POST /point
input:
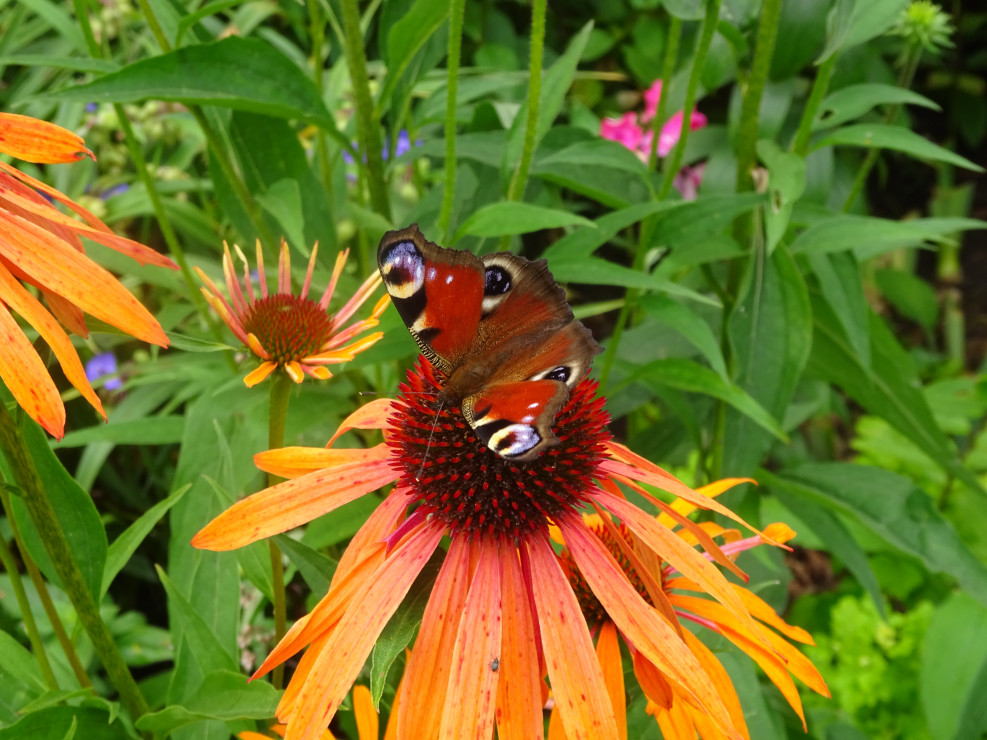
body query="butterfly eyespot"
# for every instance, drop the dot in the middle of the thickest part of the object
(512, 440)
(402, 268)
(497, 281)
(561, 373)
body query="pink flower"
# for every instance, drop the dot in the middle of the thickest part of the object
(688, 179)
(670, 132)
(624, 130)
(651, 97)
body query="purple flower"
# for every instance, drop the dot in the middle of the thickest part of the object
(100, 366)
(402, 145)
(115, 190)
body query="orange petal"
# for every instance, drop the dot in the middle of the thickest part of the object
(31, 310)
(260, 373)
(472, 695)
(608, 653)
(634, 467)
(426, 677)
(652, 681)
(678, 554)
(367, 720)
(327, 613)
(372, 535)
(62, 270)
(577, 680)
(37, 141)
(347, 648)
(519, 705)
(712, 490)
(640, 623)
(292, 462)
(291, 504)
(721, 680)
(372, 416)
(762, 611)
(26, 376)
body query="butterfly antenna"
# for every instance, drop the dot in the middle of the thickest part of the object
(428, 442)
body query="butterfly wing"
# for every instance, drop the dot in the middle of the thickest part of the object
(514, 419)
(437, 292)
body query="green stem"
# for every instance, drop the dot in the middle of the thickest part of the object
(17, 586)
(667, 70)
(368, 132)
(710, 21)
(905, 81)
(767, 34)
(519, 180)
(820, 86)
(145, 174)
(317, 31)
(50, 531)
(281, 385)
(456, 15)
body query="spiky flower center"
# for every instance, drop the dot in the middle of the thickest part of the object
(289, 328)
(474, 491)
(591, 607)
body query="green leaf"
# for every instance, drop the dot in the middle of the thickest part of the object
(771, 334)
(187, 343)
(76, 64)
(239, 73)
(206, 649)
(838, 25)
(832, 531)
(893, 508)
(554, 87)
(595, 271)
(55, 723)
(853, 101)
(687, 323)
(786, 178)
(316, 568)
(506, 218)
(911, 296)
(583, 242)
(953, 673)
(869, 237)
(686, 375)
(151, 430)
(406, 37)
(74, 508)
(698, 219)
(596, 153)
(126, 544)
(223, 695)
(401, 628)
(888, 388)
(899, 138)
(19, 672)
(841, 285)
(871, 18)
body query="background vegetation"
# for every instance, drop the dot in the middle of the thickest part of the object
(815, 318)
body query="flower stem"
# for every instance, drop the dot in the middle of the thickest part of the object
(17, 586)
(281, 386)
(317, 30)
(667, 70)
(50, 531)
(767, 34)
(905, 81)
(519, 180)
(672, 165)
(456, 14)
(368, 132)
(144, 172)
(820, 86)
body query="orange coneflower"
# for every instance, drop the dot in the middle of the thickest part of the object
(41, 250)
(367, 721)
(502, 611)
(677, 596)
(289, 331)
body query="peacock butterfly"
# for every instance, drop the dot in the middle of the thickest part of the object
(498, 328)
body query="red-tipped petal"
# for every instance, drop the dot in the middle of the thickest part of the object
(372, 416)
(38, 141)
(293, 462)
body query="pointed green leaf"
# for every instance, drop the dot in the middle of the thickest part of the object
(506, 218)
(899, 138)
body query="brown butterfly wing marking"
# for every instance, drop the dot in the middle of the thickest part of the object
(438, 293)
(536, 352)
